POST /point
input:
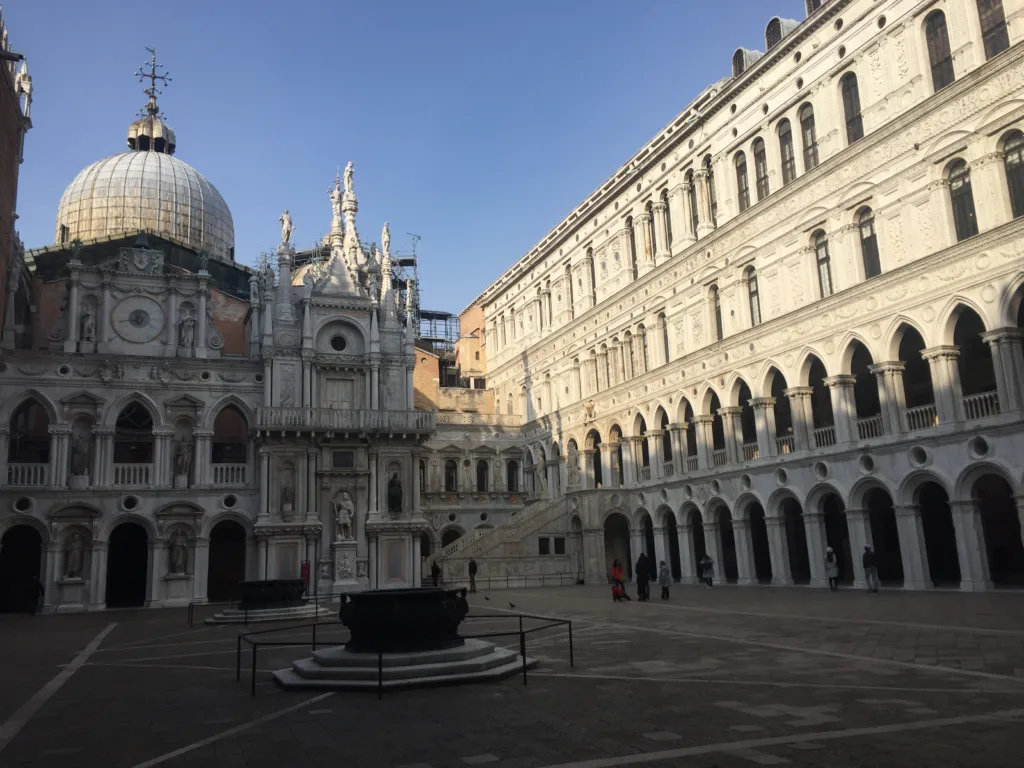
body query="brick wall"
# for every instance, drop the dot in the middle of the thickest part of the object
(10, 147)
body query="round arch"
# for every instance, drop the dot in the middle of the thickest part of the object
(233, 516)
(127, 517)
(20, 519)
(859, 490)
(906, 495)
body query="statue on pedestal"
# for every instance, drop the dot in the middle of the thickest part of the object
(74, 556)
(385, 238)
(183, 457)
(344, 512)
(88, 325)
(187, 331)
(178, 559)
(335, 194)
(80, 454)
(286, 227)
(394, 495)
(349, 172)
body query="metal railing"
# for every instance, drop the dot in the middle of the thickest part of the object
(922, 417)
(521, 631)
(510, 581)
(27, 474)
(228, 474)
(785, 444)
(668, 469)
(132, 474)
(750, 451)
(869, 427)
(719, 457)
(344, 420)
(981, 405)
(691, 463)
(825, 436)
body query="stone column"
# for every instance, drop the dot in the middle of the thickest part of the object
(889, 376)
(267, 378)
(858, 523)
(1008, 362)
(970, 546)
(163, 456)
(802, 415)
(662, 246)
(705, 440)
(713, 545)
(844, 408)
(263, 516)
(733, 433)
(912, 548)
(687, 566)
(201, 319)
(103, 449)
(660, 547)
(375, 384)
(627, 455)
(682, 228)
(589, 455)
(417, 509)
(157, 569)
(374, 502)
(678, 432)
(98, 580)
(51, 573)
(764, 420)
(705, 225)
(201, 569)
(312, 508)
(5, 434)
(746, 573)
(203, 466)
(103, 323)
(778, 548)
(562, 472)
(636, 546)
(656, 451)
(988, 185)
(602, 371)
(608, 475)
(945, 382)
(410, 388)
(814, 525)
(57, 471)
(642, 237)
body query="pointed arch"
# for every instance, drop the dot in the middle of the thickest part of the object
(109, 418)
(705, 398)
(848, 345)
(230, 399)
(12, 404)
(807, 359)
(952, 312)
(770, 369)
(896, 331)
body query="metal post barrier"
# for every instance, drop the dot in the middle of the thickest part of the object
(572, 658)
(254, 669)
(380, 675)
(314, 634)
(238, 660)
(522, 648)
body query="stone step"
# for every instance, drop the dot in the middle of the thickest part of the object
(339, 657)
(237, 616)
(495, 657)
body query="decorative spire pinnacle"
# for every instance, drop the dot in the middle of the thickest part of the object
(154, 74)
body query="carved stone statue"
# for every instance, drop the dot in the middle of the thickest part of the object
(572, 466)
(542, 481)
(287, 496)
(498, 481)
(467, 476)
(209, 314)
(335, 194)
(183, 457)
(344, 512)
(88, 325)
(74, 556)
(178, 557)
(349, 172)
(385, 238)
(80, 448)
(307, 284)
(187, 331)
(286, 227)
(395, 495)
(589, 410)
(58, 331)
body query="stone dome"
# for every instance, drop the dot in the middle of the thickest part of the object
(151, 191)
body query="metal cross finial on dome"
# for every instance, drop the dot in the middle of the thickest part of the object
(153, 75)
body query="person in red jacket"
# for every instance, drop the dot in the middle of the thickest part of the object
(618, 573)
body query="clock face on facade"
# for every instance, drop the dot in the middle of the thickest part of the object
(138, 319)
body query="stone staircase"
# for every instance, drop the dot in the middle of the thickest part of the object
(502, 539)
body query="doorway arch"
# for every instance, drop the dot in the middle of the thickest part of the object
(1000, 523)
(21, 557)
(449, 536)
(616, 544)
(759, 543)
(226, 568)
(672, 533)
(729, 568)
(939, 534)
(796, 538)
(885, 536)
(127, 565)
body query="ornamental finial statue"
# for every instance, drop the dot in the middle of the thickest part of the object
(335, 194)
(286, 228)
(385, 238)
(349, 172)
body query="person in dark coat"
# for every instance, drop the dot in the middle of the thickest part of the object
(472, 575)
(643, 578)
(435, 572)
(870, 569)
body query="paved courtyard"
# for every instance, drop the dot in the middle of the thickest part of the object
(723, 677)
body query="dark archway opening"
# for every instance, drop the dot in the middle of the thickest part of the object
(425, 544)
(650, 546)
(796, 539)
(21, 553)
(616, 544)
(227, 561)
(837, 535)
(728, 538)
(674, 561)
(885, 536)
(1001, 525)
(759, 543)
(939, 534)
(450, 536)
(127, 560)
(700, 547)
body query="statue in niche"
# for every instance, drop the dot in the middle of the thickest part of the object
(183, 457)
(287, 498)
(385, 238)
(349, 173)
(435, 475)
(178, 558)
(467, 475)
(88, 325)
(204, 259)
(344, 512)
(395, 495)
(187, 331)
(80, 449)
(572, 466)
(286, 227)
(58, 331)
(542, 480)
(74, 556)
(498, 479)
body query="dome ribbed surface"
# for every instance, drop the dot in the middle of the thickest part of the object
(149, 191)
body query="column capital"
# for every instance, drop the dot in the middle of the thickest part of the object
(264, 453)
(643, 216)
(679, 427)
(202, 432)
(59, 429)
(704, 418)
(762, 402)
(943, 351)
(1002, 334)
(842, 380)
(730, 410)
(103, 431)
(659, 206)
(798, 392)
(891, 366)
(163, 431)
(655, 433)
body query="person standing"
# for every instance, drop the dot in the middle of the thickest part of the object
(707, 570)
(618, 573)
(472, 575)
(664, 579)
(435, 572)
(832, 569)
(643, 578)
(870, 569)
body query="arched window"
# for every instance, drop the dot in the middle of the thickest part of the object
(712, 197)
(786, 150)
(651, 229)
(230, 439)
(481, 476)
(754, 296)
(663, 332)
(504, 330)
(962, 199)
(512, 320)
(869, 243)
(716, 306)
(451, 476)
(773, 35)
(593, 274)
(1013, 162)
(694, 217)
(568, 290)
(737, 63)
(939, 55)
(645, 358)
(742, 183)
(809, 134)
(761, 169)
(824, 264)
(993, 27)
(512, 476)
(851, 108)
(668, 218)
(812, 6)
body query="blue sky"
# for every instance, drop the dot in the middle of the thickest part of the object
(475, 124)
